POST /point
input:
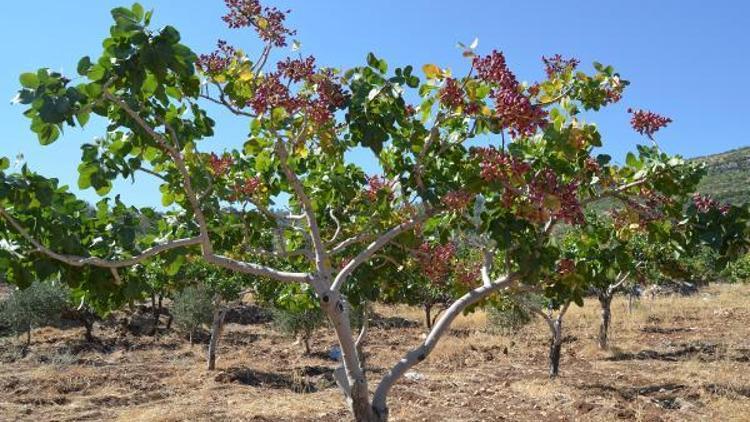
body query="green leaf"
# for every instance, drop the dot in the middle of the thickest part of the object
(104, 189)
(631, 160)
(84, 175)
(48, 134)
(170, 34)
(84, 65)
(175, 265)
(149, 85)
(138, 10)
(83, 118)
(4, 163)
(29, 80)
(96, 72)
(124, 15)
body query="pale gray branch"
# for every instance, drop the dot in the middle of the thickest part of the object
(257, 269)
(350, 241)
(80, 261)
(421, 352)
(179, 163)
(312, 222)
(372, 248)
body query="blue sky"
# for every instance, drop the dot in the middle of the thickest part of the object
(686, 59)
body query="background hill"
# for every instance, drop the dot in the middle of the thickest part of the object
(728, 177)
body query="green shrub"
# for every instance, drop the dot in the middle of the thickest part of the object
(299, 322)
(739, 270)
(508, 316)
(39, 305)
(192, 308)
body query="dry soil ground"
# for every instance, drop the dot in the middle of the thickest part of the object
(672, 359)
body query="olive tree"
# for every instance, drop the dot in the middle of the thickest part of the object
(193, 308)
(38, 305)
(286, 205)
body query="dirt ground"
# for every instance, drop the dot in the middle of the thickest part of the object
(672, 359)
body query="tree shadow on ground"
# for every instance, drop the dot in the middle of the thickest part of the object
(307, 379)
(392, 322)
(700, 350)
(670, 396)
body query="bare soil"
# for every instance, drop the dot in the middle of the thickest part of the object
(672, 359)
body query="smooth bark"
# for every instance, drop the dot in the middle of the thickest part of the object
(216, 329)
(605, 301)
(555, 349)
(420, 353)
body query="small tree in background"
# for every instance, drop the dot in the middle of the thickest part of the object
(508, 315)
(553, 315)
(739, 271)
(38, 305)
(297, 314)
(299, 322)
(193, 308)
(223, 287)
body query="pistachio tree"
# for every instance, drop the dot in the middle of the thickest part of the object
(286, 205)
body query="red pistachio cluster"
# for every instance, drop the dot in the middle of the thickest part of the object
(704, 204)
(451, 94)
(647, 122)
(546, 197)
(217, 61)
(268, 22)
(496, 165)
(515, 110)
(469, 274)
(220, 165)
(614, 94)
(565, 266)
(271, 93)
(654, 199)
(648, 207)
(457, 200)
(331, 96)
(246, 188)
(436, 261)
(274, 91)
(592, 166)
(556, 65)
(546, 184)
(297, 69)
(376, 184)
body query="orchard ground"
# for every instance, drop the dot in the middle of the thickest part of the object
(673, 358)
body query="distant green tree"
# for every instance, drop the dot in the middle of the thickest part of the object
(38, 305)
(193, 307)
(738, 271)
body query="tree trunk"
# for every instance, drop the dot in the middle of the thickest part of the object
(306, 342)
(89, 325)
(216, 329)
(355, 387)
(428, 316)
(606, 303)
(554, 350)
(155, 314)
(632, 297)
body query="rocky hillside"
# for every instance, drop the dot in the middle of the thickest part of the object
(728, 177)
